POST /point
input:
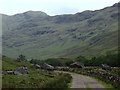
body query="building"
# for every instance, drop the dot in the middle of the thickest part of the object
(105, 67)
(77, 65)
(48, 66)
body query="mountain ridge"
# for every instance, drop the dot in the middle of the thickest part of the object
(86, 33)
(114, 5)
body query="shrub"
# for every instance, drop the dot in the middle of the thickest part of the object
(59, 82)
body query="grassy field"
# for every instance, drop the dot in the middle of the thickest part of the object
(34, 79)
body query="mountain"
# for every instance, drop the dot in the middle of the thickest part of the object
(38, 35)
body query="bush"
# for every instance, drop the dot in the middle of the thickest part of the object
(59, 82)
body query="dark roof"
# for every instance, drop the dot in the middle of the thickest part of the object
(105, 65)
(77, 63)
(37, 65)
(48, 66)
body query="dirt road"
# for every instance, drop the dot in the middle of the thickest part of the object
(81, 81)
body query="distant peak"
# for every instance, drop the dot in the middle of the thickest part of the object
(116, 4)
(31, 14)
(35, 13)
(40, 12)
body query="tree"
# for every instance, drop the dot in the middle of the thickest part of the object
(82, 59)
(21, 58)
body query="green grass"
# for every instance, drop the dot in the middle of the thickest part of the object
(107, 85)
(34, 79)
(87, 86)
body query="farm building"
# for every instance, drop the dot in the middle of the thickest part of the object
(77, 65)
(48, 67)
(105, 66)
(37, 66)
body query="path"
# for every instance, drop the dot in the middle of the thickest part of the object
(86, 82)
(81, 81)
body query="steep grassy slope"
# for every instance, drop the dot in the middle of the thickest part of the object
(38, 35)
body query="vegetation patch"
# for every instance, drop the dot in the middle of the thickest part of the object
(36, 78)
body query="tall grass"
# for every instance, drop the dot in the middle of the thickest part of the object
(61, 82)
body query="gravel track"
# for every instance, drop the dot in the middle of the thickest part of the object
(81, 81)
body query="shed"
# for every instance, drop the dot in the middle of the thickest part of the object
(48, 66)
(77, 65)
(105, 67)
(37, 66)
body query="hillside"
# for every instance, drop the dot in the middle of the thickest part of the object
(38, 35)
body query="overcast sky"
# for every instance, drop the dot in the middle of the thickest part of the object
(52, 7)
